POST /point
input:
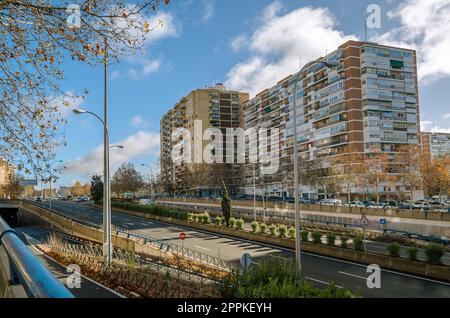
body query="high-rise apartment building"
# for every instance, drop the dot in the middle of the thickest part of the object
(369, 103)
(212, 107)
(6, 172)
(435, 145)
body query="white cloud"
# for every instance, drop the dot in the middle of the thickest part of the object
(424, 26)
(66, 102)
(135, 146)
(137, 121)
(429, 126)
(278, 43)
(446, 116)
(139, 68)
(208, 10)
(238, 43)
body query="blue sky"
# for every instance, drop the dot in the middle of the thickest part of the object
(246, 44)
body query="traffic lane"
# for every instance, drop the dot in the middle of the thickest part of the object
(88, 288)
(213, 245)
(354, 277)
(323, 269)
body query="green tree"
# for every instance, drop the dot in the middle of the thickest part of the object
(226, 204)
(96, 188)
(127, 179)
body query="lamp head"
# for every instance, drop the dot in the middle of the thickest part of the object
(79, 111)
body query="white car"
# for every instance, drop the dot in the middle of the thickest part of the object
(332, 202)
(358, 204)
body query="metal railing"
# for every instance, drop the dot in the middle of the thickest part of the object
(145, 239)
(27, 270)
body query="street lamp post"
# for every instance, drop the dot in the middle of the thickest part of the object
(151, 177)
(51, 179)
(296, 162)
(107, 243)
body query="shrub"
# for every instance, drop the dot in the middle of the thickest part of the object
(304, 236)
(434, 253)
(232, 222)
(239, 224)
(331, 239)
(189, 216)
(275, 278)
(254, 226)
(291, 233)
(359, 244)
(394, 249)
(195, 218)
(282, 230)
(262, 228)
(219, 220)
(317, 237)
(412, 253)
(344, 240)
(206, 218)
(273, 229)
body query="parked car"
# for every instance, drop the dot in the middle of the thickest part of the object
(332, 202)
(358, 204)
(37, 199)
(78, 199)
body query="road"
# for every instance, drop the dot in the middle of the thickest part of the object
(319, 270)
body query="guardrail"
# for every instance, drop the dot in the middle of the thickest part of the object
(167, 246)
(27, 270)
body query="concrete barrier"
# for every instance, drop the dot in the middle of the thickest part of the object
(80, 230)
(414, 214)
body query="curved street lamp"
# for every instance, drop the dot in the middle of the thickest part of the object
(107, 243)
(296, 160)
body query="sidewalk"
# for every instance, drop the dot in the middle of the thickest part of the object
(89, 288)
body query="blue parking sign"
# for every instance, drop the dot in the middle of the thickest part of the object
(383, 221)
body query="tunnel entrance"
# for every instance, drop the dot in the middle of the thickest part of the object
(9, 215)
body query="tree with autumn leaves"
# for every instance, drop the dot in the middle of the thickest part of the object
(436, 177)
(35, 40)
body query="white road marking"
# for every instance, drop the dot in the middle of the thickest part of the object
(352, 275)
(321, 282)
(203, 248)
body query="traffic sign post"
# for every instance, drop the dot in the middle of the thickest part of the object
(182, 237)
(246, 260)
(364, 222)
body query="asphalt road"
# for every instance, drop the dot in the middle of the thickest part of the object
(319, 270)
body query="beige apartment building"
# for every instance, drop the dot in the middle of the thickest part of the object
(211, 107)
(6, 172)
(369, 103)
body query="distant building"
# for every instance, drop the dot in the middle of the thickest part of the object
(435, 145)
(6, 172)
(215, 107)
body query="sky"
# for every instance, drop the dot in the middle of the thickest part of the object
(248, 45)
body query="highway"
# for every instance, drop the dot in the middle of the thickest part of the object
(317, 269)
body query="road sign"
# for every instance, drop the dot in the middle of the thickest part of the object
(246, 260)
(383, 221)
(183, 236)
(25, 183)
